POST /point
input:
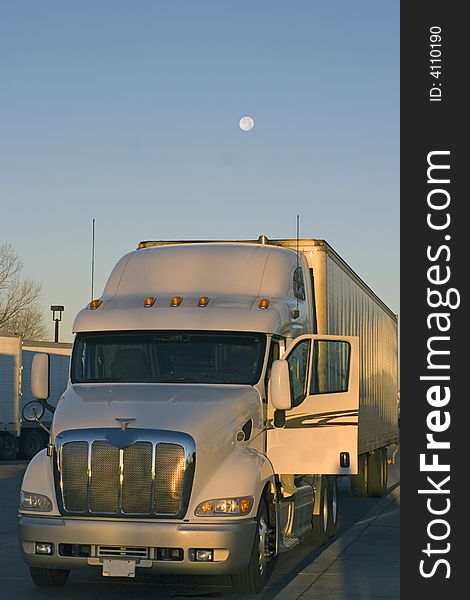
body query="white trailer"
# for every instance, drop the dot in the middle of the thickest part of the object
(10, 392)
(345, 305)
(217, 390)
(15, 392)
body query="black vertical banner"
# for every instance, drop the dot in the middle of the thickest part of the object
(435, 265)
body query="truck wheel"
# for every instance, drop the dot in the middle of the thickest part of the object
(320, 521)
(31, 442)
(48, 577)
(378, 472)
(8, 446)
(359, 482)
(254, 577)
(333, 505)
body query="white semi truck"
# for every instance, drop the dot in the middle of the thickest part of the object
(217, 390)
(16, 355)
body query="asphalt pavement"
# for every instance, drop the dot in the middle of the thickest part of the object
(362, 564)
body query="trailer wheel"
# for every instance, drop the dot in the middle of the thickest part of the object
(333, 505)
(8, 446)
(359, 482)
(31, 442)
(48, 577)
(320, 521)
(254, 577)
(378, 472)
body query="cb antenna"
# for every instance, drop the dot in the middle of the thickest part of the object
(92, 259)
(297, 248)
(297, 238)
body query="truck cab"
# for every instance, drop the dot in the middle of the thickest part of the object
(198, 387)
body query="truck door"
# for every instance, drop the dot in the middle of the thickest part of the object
(318, 433)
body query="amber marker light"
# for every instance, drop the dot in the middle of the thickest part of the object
(206, 508)
(176, 300)
(149, 301)
(245, 505)
(94, 304)
(264, 304)
(203, 301)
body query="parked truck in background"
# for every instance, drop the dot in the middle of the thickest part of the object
(207, 380)
(16, 434)
(10, 395)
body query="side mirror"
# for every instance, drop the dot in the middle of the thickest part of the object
(280, 385)
(40, 376)
(33, 411)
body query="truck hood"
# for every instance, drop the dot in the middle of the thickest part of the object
(202, 411)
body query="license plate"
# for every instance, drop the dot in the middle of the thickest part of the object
(118, 568)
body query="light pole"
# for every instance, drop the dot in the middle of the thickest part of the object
(57, 310)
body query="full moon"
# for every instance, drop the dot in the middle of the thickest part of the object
(246, 123)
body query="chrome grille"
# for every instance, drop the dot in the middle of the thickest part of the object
(169, 477)
(75, 477)
(120, 473)
(104, 480)
(137, 482)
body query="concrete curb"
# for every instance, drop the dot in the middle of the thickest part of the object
(307, 577)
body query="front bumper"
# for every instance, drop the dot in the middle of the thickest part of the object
(232, 543)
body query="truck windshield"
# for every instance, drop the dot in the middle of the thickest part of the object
(168, 357)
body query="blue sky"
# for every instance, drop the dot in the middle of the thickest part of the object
(127, 112)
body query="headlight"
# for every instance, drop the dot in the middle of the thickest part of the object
(225, 506)
(38, 502)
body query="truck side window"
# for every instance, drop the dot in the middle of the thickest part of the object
(330, 367)
(299, 286)
(298, 361)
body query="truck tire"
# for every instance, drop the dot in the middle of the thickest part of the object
(8, 446)
(332, 505)
(48, 577)
(320, 521)
(254, 577)
(31, 442)
(359, 482)
(378, 472)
